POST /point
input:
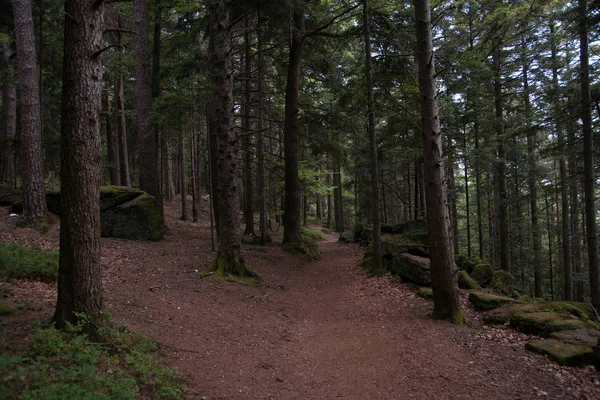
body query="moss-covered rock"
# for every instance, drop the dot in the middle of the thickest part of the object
(425, 293)
(466, 282)
(470, 264)
(504, 315)
(137, 219)
(410, 226)
(412, 268)
(545, 323)
(482, 273)
(460, 260)
(581, 337)
(502, 281)
(393, 245)
(487, 301)
(562, 353)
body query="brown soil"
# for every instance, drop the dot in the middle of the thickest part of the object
(312, 330)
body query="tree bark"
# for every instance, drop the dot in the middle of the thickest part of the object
(8, 129)
(112, 154)
(262, 196)
(34, 194)
(229, 261)
(182, 175)
(588, 155)
(122, 133)
(248, 181)
(501, 160)
(443, 282)
(375, 195)
(291, 212)
(338, 198)
(147, 143)
(79, 276)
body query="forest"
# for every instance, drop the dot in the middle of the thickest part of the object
(328, 161)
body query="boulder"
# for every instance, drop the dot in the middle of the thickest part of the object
(581, 337)
(346, 237)
(393, 245)
(482, 273)
(502, 281)
(466, 282)
(409, 226)
(412, 268)
(487, 301)
(562, 353)
(504, 315)
(546, 323)
(137, 219)
(460, 260)
(470, 264)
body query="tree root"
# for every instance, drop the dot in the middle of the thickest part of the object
(228, 268)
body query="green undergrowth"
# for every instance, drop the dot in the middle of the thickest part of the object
(312, 233)
(55, 364)
(307, 250)
(25, 263)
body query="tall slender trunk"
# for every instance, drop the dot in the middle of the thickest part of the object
(120, 106)
(467, 190)
(148, 151)
(452, 203)
(112, 153)
(79, 275)
(445, 291)
(550, 245)
(248, 179)
(578, 286)
(34, 195)
(337, 194)
(375, 196)
(501, 161)
(588, 154)
(491, 219)
(478, 194)
(155, 93)
(8, 129)
(291, 213)
(260, 142)
(532, 182)
(182, 175)
(329, 205)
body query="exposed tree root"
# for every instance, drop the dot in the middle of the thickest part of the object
(227, 268)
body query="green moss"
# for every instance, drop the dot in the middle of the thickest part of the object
(346, 237)
(138, 219)
(562, 353)
(487, 301)
(545, 323)
(5, 309)
(581, 337)
(460, 260)
(482, 273)
(466, 282)
(425, 293)
(471, 263)
(227, 268)
(307, 250)
(313, 234)
(25, 263)
(502, 281)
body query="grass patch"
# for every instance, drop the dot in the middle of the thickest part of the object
(311, 233)
(24, 263)
(66, 365)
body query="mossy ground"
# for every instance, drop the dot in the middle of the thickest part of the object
(312, 233)
(225, 268)
(307, 250)
(53, 364)
(17, 262)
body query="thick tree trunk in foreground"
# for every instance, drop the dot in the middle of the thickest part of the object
(291, 212)
(8, 129)
(376, 263)
(588, 155)
(149, 178)
(229, 261)
(34, 194)
(79, 277)
(445, 290)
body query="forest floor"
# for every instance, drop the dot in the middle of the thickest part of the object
(313, 330)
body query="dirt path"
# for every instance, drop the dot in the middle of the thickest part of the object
(314, 330)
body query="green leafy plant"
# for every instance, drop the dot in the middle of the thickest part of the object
(25, 263)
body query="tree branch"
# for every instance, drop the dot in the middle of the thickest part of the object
(112, 46)
(319, 30)
(98, 3)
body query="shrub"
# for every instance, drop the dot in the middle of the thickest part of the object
(25, 263)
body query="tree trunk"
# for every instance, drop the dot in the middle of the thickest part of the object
(478, 194)
(181, 175)
(532, 183)
(229, 261)
(262, 196)
(375, 195)
(149, 179)
(578, 286)
(328, 182)
(8, 129)
(79, 276)
(467, 208)
(338, 194)
(291, 212)
(248, 181)
(588, 155)
(193, 174)
(443, 282)
(501, 162)
(113, 163)
(34, 194)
